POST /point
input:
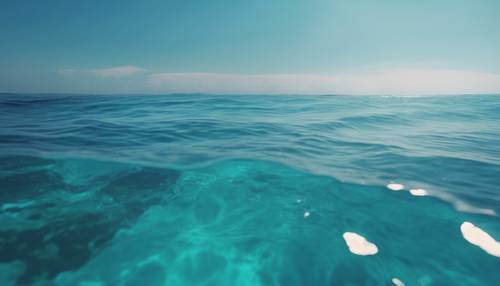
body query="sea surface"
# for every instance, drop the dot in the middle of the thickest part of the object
(198, 189)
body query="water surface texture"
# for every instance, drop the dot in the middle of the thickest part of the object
(249, 190)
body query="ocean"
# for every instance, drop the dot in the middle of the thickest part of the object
(195, 189)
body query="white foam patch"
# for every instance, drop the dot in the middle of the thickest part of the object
(419, 192)
(307, 214)
(359, 245)
(395, 187)
(397, 282)
(480, 238)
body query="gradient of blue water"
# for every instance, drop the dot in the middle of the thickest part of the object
(231, 171)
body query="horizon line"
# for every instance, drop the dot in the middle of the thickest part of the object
(241, 94)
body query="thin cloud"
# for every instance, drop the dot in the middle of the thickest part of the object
(385, 82)
(113, 72)
(377, 82)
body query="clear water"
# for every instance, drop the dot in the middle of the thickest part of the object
(246, 190)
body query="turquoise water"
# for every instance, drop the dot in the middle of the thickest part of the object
(247, 190)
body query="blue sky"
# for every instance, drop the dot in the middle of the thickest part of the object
(248, 46)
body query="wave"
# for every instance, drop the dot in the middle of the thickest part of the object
(237, 218)
(257, 182)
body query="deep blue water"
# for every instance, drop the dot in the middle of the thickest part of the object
(247, 190)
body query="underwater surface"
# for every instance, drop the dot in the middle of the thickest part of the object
(249, 190)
